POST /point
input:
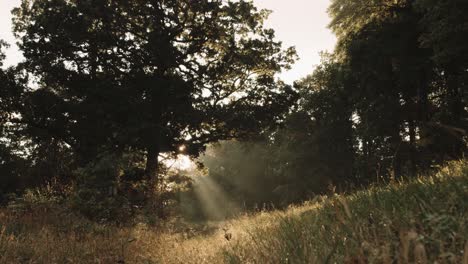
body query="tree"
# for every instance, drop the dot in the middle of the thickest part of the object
(350, 16)
(328, 142)
(405, 90)
(12, 165)
(150, 75)
(445, 28)
(312, 150)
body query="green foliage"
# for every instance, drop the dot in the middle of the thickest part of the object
(12, 164)
(11, 169)
(406, 83)
(95, 194)
(45, 198)
(349, 16)
(113, 188)
(444, 29)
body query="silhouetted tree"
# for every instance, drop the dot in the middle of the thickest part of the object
(150, 75)
(394, 49)
(12, 164)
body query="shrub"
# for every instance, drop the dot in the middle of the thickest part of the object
(96, 193)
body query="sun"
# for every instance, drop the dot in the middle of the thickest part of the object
(182, 162)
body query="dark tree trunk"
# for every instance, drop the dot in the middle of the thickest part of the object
(396, 162)
(412, 148)
(396, 165)
(152, 165)
(456, 108)
(455, 104)
(153, 141)
(152, 174)
(423, 117)
(367, 167)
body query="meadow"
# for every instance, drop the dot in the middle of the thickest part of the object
(422, 220)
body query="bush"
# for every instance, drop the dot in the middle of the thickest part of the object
(42, 199)
(11, 169)
(96, 193)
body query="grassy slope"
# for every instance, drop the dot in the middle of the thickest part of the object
(426, 219)
(423, 220)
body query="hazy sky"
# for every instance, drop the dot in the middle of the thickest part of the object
(13, 55)
(299, 23)
(303, 24)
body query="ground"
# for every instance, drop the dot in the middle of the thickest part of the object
(423, 220)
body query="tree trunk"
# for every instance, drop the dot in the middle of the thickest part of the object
(456, 108)
(152, 165)
(154, 181)
(423, 116)
(455, 104)
(396, 162)
(153, 139)
(367, 167)
(412, 148)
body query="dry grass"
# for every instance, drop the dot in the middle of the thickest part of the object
(423, 221)
(52, 236)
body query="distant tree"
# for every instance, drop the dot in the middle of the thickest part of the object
(350, 16)
(150, 75)
(390, 101)
(329, 143)
(445, 27)
(12, 165)
(10, 94)
(404, 89)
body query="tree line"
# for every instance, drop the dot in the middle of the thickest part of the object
(108, 89)
(389, 102)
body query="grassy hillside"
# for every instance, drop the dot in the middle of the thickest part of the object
(421, 221)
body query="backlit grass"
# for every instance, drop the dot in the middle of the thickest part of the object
(418, 221)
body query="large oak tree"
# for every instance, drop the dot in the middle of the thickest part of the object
(150, 75)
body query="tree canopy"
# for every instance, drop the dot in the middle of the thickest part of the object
(150, 75)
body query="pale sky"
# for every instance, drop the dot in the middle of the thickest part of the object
(299, 23)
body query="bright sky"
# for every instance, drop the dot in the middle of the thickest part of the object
(13, 55)
(299, 23)
(303, 24)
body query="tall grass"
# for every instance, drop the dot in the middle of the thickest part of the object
(419, 221)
